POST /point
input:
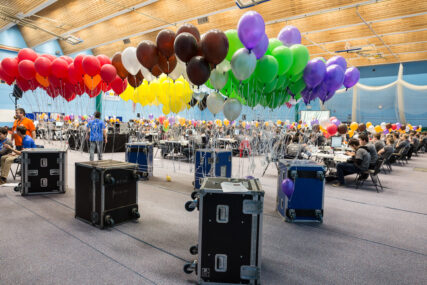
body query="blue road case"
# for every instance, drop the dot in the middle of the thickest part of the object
(306, 202)
(141, 153)
(211, 163)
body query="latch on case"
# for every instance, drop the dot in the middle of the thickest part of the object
(249, 272)
(252, 207)
(220, 262)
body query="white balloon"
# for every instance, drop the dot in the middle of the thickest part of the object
(147, 74)
(371, 129)
(324, 123)
(383, 125)
(232, 109)
(243, 64)
(215, 103)
(178, 70)
(224, 66)
(130, 61)
(218, 79)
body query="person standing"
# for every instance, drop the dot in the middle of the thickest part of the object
(97, 134)
(21, 120)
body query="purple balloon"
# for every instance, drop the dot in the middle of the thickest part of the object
(334, 78)
(329, 95)
(338, 60)
(314, 72)
(251, 29)
(151, 116)
(386, 131)
(398, 125)
(314, 122)
(336, 122)
(248, 126)
(261, 47)
(288, 187)
(172, 120)
(321, 92)
(72, 117)
(351, 77)
(289, 36)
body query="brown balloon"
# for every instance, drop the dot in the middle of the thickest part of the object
(316, 128)
(189, 28)
(185, 47)
(116, 61)
(215, 46)
(135, 80)
(198, 70)
(362, 127)
(147, 54)
(388, 126)
(403, 127)
(167, 65)
(165, 41)
(342, 129)
(156, 71)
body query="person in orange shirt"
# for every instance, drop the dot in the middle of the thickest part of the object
(21, 120)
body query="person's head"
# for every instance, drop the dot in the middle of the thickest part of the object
(405, 136)
(354, 143)
(21, 130)
(97, 115)
(390, 141)
(377, 136)
(3, 133)
(363, 139)
(20, 113)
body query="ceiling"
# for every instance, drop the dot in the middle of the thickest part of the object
(386, 31)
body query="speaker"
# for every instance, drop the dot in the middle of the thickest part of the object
(17, 92)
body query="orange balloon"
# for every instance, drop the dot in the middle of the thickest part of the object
(42, 80)
(92, 82)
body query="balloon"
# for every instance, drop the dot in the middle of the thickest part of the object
(6, 77)
(338, 60)
(243, 64)
(393, 127)
(234, 43)
(103, 59)
(361, 127)
(351, 77)
(218, 79)
(383, 126)
(334, 77)
(272, 44)
(232, 109)
(398, 126)
(108, 73)
(283, 55)
(179, 69)
(297, 87)
(215, 103)
(135, 80)
(185, 46)
(165, 43)
(314, 72)
(266, 69)
(251, 29)
(27, 54)
(336, 122)
(378, 129)
(189, 28)
(119, 85)
(214, 46)
(354, 126)
(73, 75)
(23, 84)
(91, 65)
(261, 47)
(117, 63)
(92, 82)
(288, 187)
(332, 129)
(289, 36)
(26, 69)
(10, 66)
(342, 129)
(147, 54)
(156, 71)
(167, 66)
(300, 57)
(198, 70)
(389, 126)
(60, 68)
(368, 124)
(130, 62)
(43, 66)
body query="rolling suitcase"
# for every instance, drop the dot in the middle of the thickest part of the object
(141, 153)
(306, 202)
(106, 192)
(211, 163)
(230, 229)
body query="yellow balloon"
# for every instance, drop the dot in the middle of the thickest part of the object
(165, 123)
(244, 124)
(368, 124)
(226, 122)
(182, 121)
(166, 110)
(354, 126)
(378, 129)
(175, 106)
(351, 133)
(256, 124)
(266, 124)
(279, 122)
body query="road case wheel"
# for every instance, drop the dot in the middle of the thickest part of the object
(188, 268)
(190, 206)
(109, 221)
(135, 213)
(16, 189)
(194, 250)
(194, 195)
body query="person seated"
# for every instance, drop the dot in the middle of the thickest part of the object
(3, 142)
(364, 141)
(424, 141)
(359, 162)
(388, 149)
(7, 160)
(295, 148)
(378, 143)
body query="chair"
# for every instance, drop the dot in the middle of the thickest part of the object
(373, 174)
(244, 147)
(17, 171)
(387, 162)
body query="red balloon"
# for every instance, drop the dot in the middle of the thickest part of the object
(108, 73)
(27, 53)
(394, 127)
(67, 59)
(118, 85)
(103, 59)
(23, 84)
(43, 66)
(49, 56)
(10, 66)
(214, 46)
(73, 74)
(6, 77)
(161, 119)
(78, 63)
(60, 68)
(165, 41)
(147, 54)
(189, 28)
(33, 84)
(54, 81)
(26, 69)
(91, 65)
(198, 70)
(79, 88)
(332, 129)
(95, 92)
(185, 46)
(105, 86)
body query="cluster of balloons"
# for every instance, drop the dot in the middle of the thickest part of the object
(322, 78)
(61, 75)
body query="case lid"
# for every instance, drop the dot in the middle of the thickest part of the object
(136, 144)
(107, 164)
(216, 184)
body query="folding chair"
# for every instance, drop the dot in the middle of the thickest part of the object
(373, 173)
(387, 163)
(17, 171)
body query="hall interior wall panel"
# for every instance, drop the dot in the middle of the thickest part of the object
(18, 6)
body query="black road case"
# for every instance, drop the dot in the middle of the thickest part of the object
(42, 171)
(230, 228)
(106, 192)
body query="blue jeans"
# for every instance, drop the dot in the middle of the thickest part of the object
(345, 168)
(99, 145)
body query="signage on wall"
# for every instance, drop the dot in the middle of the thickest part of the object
(110, 96)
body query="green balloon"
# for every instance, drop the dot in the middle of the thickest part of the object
(297, 87)
(263, 100)
(300, 57)
(234, 43)
(272, 44)
(266, 69)
(209, 85)
(283, 55)
(298, 96)
(234, 95)
(295, 78)
(269, 87)
(281, 82)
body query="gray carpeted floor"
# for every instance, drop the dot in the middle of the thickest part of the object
(366, 238)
